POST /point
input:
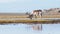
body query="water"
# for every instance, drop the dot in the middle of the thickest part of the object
(27, 29)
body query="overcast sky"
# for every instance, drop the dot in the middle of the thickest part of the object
(18, 6)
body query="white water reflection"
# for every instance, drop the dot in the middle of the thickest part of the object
(27, 29)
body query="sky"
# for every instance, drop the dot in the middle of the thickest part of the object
(26, 29)
(22, 6)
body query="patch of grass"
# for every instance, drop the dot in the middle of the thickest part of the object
(25, 21)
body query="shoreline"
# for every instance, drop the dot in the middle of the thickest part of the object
(31, 21)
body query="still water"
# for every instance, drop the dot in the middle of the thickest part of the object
(28, 29)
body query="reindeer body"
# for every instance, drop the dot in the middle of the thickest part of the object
(37, 13)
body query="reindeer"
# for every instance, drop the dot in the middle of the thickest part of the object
(35, 13)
